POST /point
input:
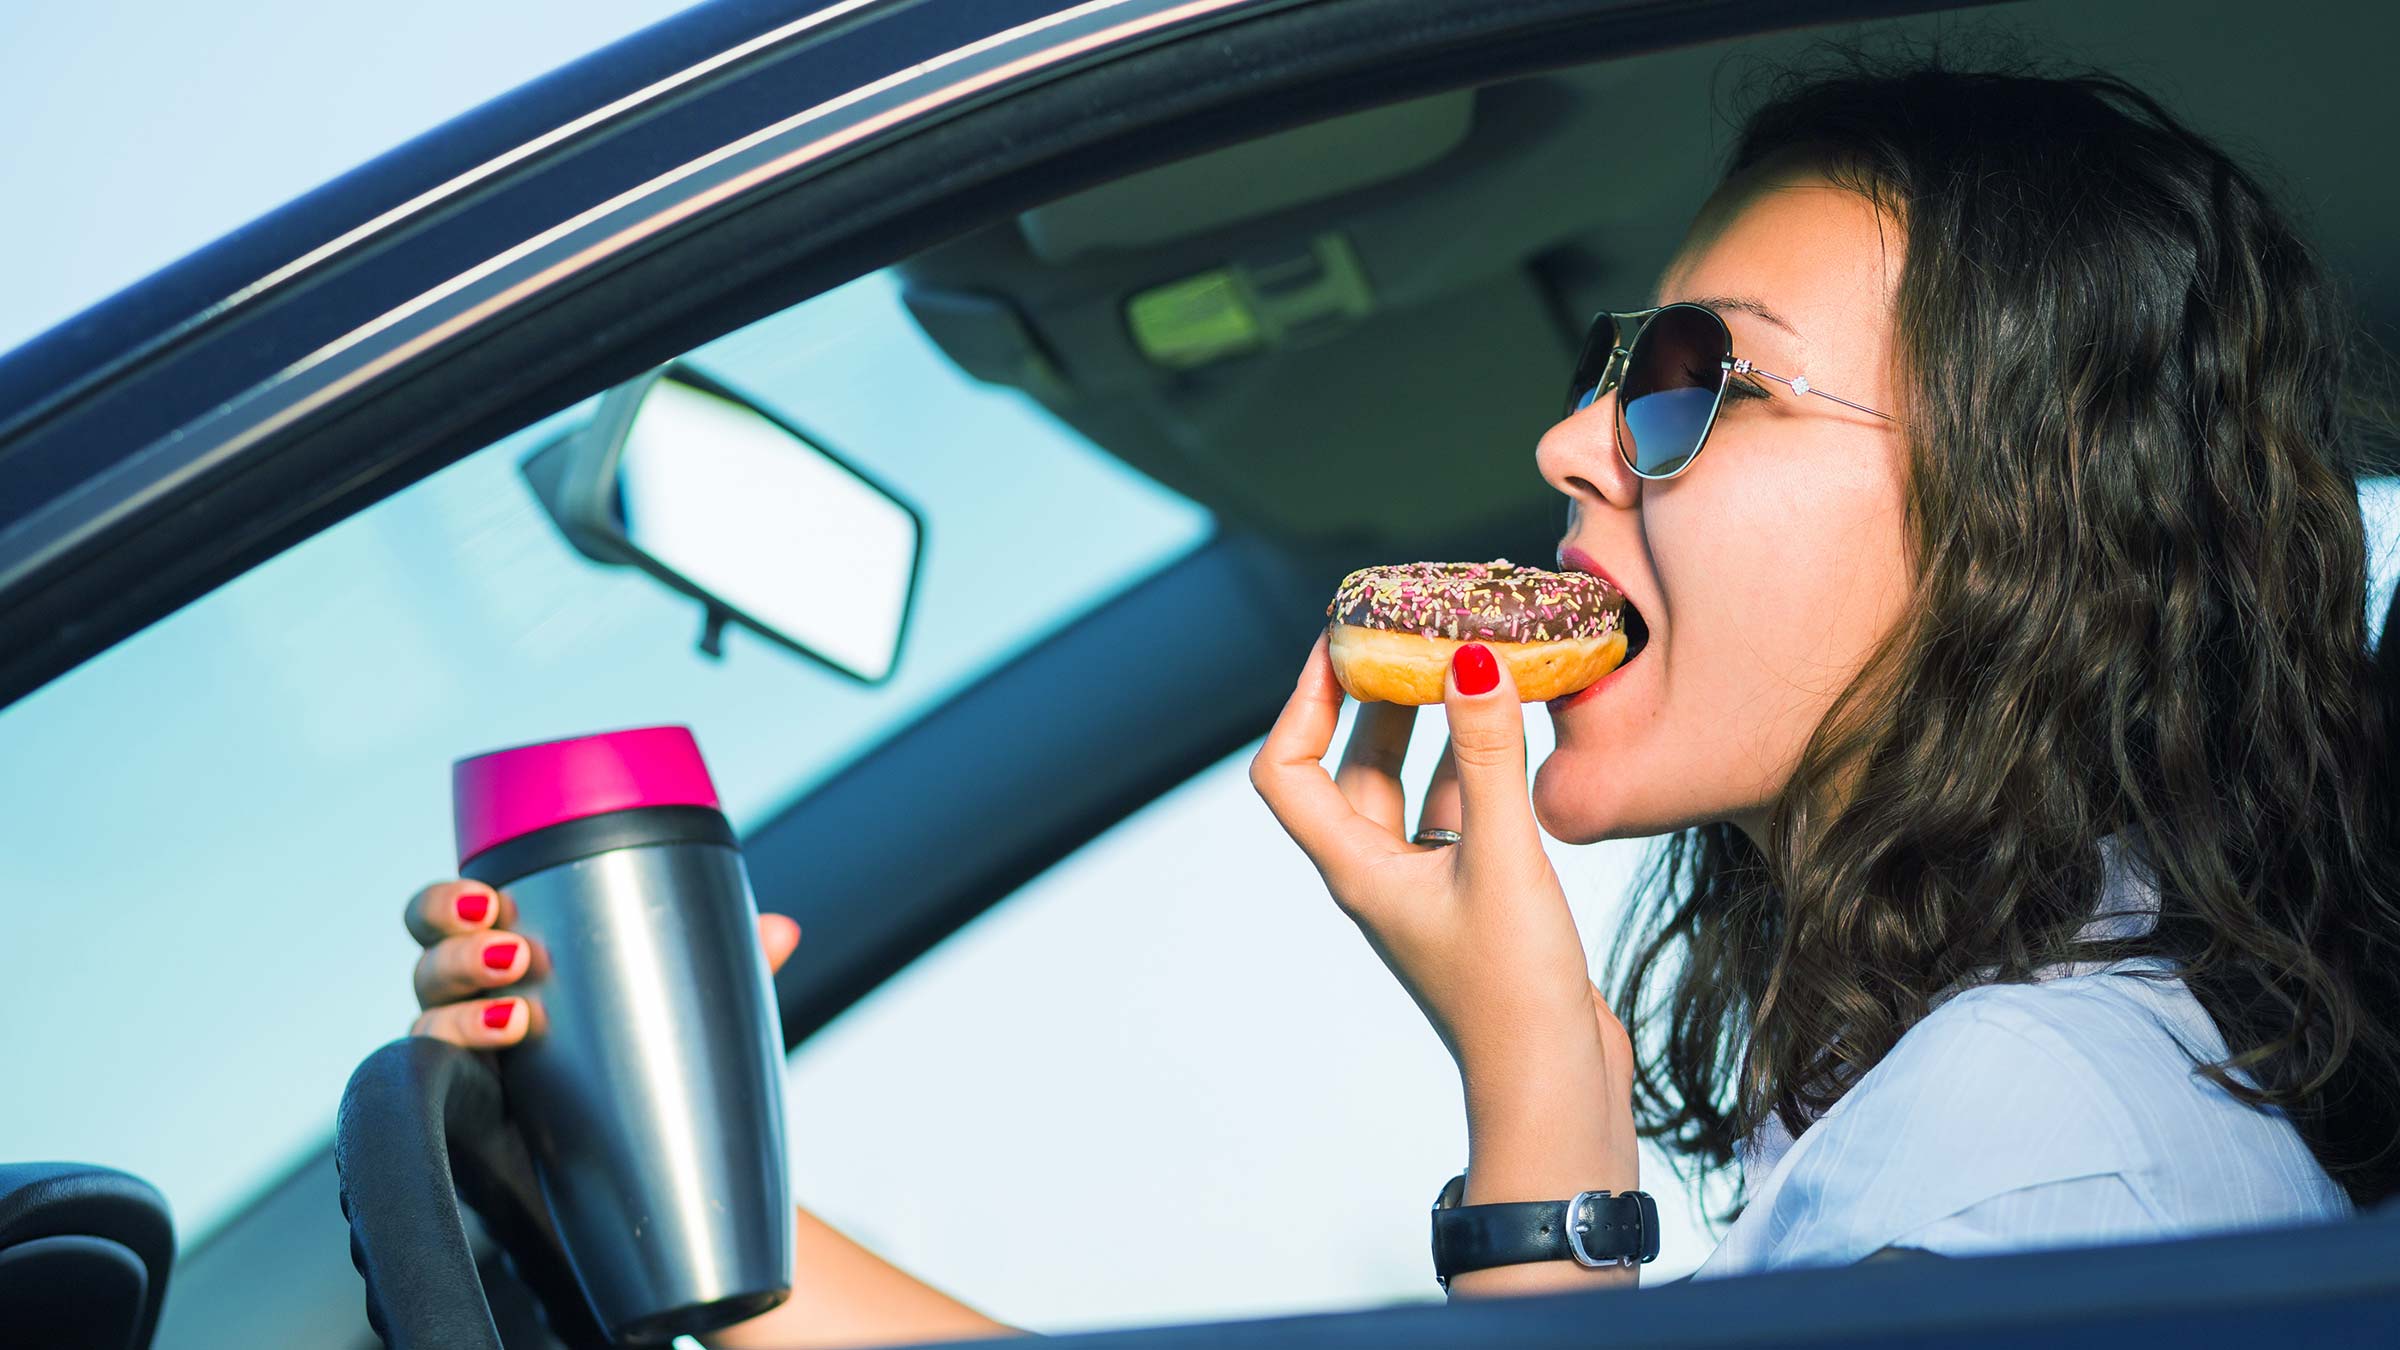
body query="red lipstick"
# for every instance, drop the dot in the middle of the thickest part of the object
(1573, 559)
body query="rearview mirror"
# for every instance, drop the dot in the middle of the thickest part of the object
(718, 498)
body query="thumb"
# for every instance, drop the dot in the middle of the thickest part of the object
(1487, 740)
(779, 935)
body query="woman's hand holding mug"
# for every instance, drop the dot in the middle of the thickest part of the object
(471, 956)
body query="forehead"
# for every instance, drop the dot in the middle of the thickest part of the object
(1822, 256)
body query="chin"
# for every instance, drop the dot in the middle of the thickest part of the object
(1566, 804)
(1589, 797)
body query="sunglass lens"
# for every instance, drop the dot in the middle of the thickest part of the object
(1599, 345)
(1670, 390)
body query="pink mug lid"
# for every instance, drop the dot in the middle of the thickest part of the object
(505, 793)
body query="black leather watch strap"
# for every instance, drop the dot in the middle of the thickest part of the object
(1609, 1229)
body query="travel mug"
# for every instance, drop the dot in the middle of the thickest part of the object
(652, 1103)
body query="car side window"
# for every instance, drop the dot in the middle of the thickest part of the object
(211, 829)
(2379, 507)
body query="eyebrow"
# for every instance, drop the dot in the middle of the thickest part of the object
(1747, 306)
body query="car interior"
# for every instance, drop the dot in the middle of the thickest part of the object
(1330, 346)
(1474, 233)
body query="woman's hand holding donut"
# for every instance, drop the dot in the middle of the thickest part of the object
(1479, 932)
(471, 958)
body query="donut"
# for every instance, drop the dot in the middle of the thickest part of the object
(1392, 629)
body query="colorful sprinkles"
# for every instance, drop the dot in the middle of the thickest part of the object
(1497, 600)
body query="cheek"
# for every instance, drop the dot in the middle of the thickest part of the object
(1798, 569)
(1779, 568)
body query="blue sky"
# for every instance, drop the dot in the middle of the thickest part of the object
(140, 131)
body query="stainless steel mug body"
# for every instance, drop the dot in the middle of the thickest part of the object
(650, 1093)
(652, 1102)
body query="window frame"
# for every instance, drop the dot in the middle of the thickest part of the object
(391, 315)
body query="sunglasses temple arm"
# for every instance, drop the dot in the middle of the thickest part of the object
(1801, 387)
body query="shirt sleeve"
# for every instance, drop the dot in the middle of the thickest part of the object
(1983, 1130)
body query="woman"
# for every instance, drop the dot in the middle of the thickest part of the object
(2006, 697)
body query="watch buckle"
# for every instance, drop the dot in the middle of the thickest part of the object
(1576, 1228)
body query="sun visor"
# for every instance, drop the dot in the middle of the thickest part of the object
(1257, 178)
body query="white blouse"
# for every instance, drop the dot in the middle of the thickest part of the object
(2054, 1114)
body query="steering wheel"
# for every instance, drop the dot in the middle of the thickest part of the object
(413, 1109)
(85, 1252)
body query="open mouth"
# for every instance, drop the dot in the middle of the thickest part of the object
(1637, 633)
(1637, 637)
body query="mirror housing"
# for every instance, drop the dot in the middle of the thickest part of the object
(725, 501)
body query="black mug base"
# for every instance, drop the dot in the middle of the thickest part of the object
(693, 1319)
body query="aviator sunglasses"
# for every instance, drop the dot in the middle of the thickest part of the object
(1671, 378)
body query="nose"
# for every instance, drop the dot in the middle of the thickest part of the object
(1578, 456)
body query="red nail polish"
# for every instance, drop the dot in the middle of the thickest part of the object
(500, 955)
(496, 1015)
(1476, 668)
(472, 906)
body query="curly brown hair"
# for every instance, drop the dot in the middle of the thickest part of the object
(2140, 590)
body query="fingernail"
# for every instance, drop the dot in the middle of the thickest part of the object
(500, 955)
(496, 1015)
(1476, 668)
(473, 905)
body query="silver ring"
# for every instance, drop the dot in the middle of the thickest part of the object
(1437, 838)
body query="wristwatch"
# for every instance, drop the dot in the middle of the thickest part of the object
(1596, 1228)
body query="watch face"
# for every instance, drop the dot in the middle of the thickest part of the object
(1453, 1190)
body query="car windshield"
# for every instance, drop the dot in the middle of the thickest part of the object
(213, 827)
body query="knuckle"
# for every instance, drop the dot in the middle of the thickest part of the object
(1483, 747)
(1262, 776)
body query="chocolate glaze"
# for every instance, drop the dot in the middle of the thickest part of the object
(1497, 600)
